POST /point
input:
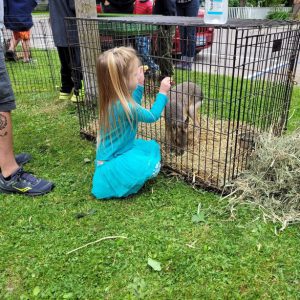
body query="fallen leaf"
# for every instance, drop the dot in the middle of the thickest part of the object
(36, 291)
(154, 264)
(198, 218)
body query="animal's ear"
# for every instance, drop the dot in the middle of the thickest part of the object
(186, 121)
(174, 126)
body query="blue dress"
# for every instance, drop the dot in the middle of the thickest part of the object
(127, 162)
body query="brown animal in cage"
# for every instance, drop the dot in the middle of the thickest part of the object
(185, 100)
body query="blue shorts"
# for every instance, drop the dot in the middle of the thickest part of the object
(7, 98)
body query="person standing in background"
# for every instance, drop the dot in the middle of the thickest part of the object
(143, 42)
(187, 8)
(165, 36)
(71, 85)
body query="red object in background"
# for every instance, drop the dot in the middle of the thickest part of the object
(143, 8)
(99, 9)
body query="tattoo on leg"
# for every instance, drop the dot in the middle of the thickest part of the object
(3, 124)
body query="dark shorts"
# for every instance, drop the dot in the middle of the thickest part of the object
(7, 98)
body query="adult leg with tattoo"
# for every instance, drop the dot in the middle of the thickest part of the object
(8, 163)
(13, 179)
(7, 159)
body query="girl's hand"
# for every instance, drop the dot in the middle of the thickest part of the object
(165, 85)
(141, 77)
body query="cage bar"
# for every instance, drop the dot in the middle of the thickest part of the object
(245, 70)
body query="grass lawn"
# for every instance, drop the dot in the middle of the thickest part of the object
(217, 258)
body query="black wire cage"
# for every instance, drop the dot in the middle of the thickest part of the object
(238, 84)
(31, 58)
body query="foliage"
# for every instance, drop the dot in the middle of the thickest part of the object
(278, 15)
(265, 3)
(234, 3)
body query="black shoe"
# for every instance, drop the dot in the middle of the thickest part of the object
(24, 183)
(11, 55)
(22, 159)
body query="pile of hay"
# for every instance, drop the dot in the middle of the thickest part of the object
(272, 180)
(213, 156)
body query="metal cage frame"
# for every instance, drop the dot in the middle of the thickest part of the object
(246, 77)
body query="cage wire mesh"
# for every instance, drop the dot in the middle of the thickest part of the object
(39, 71)
(239, 84)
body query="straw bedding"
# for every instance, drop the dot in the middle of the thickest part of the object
(272, 181)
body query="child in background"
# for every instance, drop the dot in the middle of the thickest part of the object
(123, 163)
(143, 43)
(18, 18)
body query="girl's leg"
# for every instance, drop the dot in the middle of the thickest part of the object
(26, 50)
(10, 53)
(13, 42)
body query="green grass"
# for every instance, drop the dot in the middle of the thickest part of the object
(43, 13)
(228, 258)
(294, 115)
(39, 75)
(254, 101)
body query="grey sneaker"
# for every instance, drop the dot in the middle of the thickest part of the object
(22, 159)
(24, 183)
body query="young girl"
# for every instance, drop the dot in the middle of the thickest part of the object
(18, 18)
(124, 163)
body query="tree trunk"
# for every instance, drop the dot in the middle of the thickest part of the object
(86, 8)
(242, 3)
(296, 9)
(89, 42)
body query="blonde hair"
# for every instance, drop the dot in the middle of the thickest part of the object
(113, 73)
